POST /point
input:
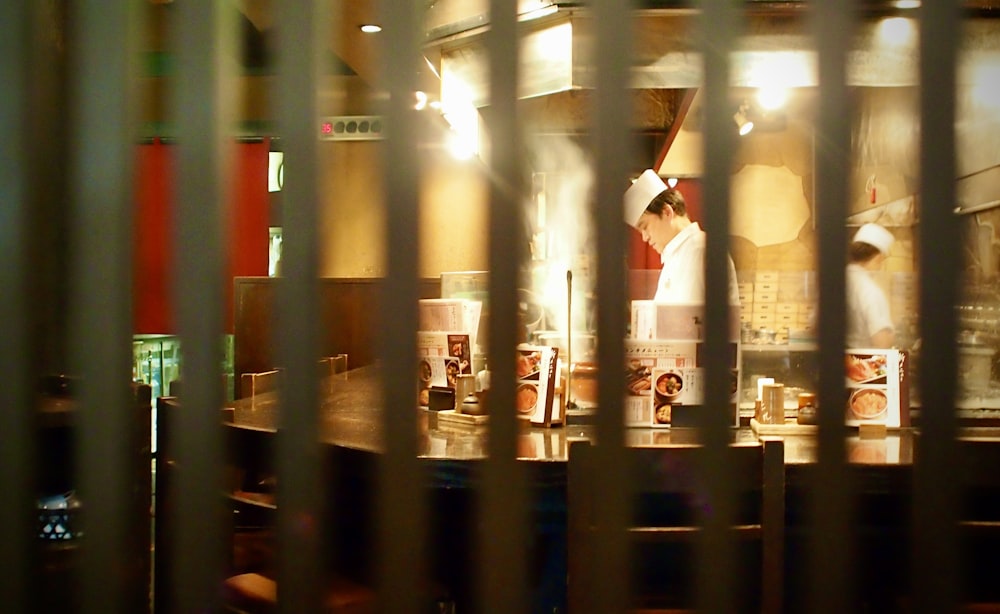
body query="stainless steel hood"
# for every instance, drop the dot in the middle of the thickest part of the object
(557, 42)
(556, 47)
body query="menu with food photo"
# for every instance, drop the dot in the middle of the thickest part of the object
(536, 385)
(662, 374)
(436, 371)
(875, 384)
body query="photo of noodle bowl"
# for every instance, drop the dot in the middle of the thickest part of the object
(525, 398)
(868, 403)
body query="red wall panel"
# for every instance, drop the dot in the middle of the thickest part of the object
(247, 240)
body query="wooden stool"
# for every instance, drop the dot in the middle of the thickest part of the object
(254, 593)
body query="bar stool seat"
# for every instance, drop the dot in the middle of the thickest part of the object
(254, 593)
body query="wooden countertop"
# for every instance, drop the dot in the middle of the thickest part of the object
(350, 417)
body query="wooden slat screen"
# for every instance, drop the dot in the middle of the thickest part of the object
(95, 85)
(302, 519)
(16, 474)
(402, 502)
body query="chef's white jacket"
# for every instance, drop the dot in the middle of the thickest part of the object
(682, 278)
(867, 307)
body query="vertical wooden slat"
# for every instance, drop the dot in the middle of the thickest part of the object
(402, 515)
(502, 572)
(831, 490)
(204, 45)
(717, 32)
(16, 528)
(935, 491)
(102, 53)
(610, 125)
(301, 520)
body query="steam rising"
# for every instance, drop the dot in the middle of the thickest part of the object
(562, 227)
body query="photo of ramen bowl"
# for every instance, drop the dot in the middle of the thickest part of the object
(668, 386)
(525, 398)
(425, 371)
(868, 403)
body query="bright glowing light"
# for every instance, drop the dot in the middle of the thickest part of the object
(421, 102)
(371, 28)
(907, 4)
(459, 146)
(772, 98)
(672, 182)
(545, 11)
(985, 90)
(463, 117)
(897, 31)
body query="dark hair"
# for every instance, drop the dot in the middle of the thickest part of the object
(669, 197)
(859, 251)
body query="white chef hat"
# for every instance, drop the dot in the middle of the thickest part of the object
(873, 234)
(643, 190)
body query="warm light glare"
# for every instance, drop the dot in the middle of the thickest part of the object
(772, 98)
(460, 146)
(897, 31)
(421, 100)
(545, 11)
(778, 69)
(907, 4)
(371, 28)
(672, 182)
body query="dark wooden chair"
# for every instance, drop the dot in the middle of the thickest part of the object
(978, 471)
(665, 524)
(251, 585)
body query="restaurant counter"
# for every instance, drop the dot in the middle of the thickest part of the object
(350, 423)
(350, 417)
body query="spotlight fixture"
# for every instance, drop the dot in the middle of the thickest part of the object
(370, 28)
(742, 119)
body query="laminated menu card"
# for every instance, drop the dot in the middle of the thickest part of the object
(450, 314)
(436, 372)
(536, 385)
(447, 343)
(877, 386)
(664, 321)
(443, 356)
(661, 375)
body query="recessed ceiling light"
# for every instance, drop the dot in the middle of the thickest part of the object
(371, 28)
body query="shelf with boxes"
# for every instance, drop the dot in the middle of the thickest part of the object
(777, 306)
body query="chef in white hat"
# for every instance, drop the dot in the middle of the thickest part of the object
(659, 213)
(869, 324)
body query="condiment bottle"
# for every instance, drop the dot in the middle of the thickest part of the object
(773, 403)
(807, 413)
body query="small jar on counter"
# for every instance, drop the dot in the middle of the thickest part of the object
(807, 413)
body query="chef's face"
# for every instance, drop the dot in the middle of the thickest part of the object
(657, 229)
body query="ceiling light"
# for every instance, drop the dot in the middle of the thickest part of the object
(672, 182)
(742, 121)
(370, 28)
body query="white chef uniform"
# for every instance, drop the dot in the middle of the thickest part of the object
(867, 305)
(682, 278)
(867, 308)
